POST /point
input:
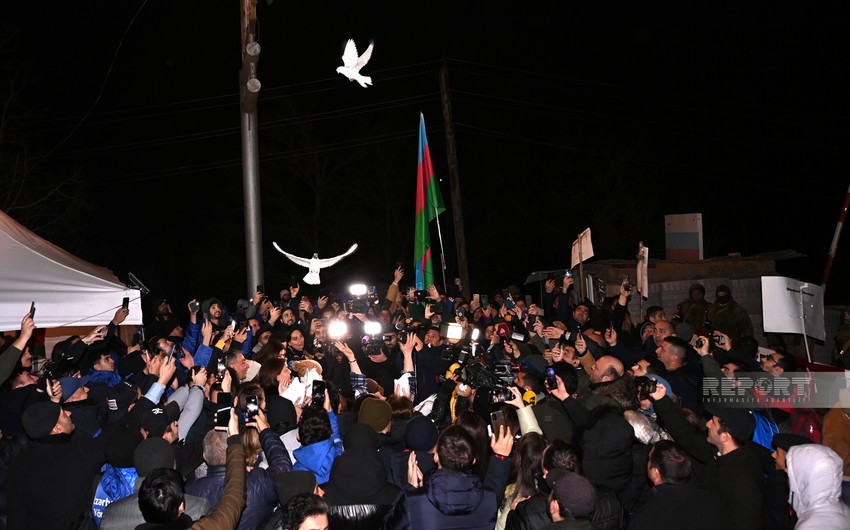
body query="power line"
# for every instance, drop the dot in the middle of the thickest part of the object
(237, 162)
(666, 96)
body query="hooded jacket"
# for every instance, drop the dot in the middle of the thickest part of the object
(814, 477)
(318, 458)
(452, 500)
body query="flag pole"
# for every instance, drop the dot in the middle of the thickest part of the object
(834, 245)
(442, 252)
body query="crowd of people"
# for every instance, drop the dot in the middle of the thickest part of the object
(400, 408)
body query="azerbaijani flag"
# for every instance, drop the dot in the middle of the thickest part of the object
(429, 204)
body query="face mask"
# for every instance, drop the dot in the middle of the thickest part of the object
(723, 299)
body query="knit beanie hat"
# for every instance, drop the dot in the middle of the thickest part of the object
(572, 491)
(281, 415)
(292, 483)
(39, 418)
(375, 413)
(420, 434)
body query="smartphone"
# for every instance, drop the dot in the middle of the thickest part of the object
(318, 392)
(125, 303)
(221, 368)
(32, 310)
(485, 300)
(551, 380)
(252, 405)
(137, 339)
(233, 325)
(194, 306)
(260, 288)
(500, 395)
(627, 283)
(222, 417)
(532, 319)
(497, 419)
(172, 351)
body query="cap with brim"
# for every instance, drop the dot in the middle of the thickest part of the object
(118, 399)
(741, 422)
(157, 420)
(71, 385)
(39, 418)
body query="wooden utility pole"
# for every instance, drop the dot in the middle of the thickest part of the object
(454, 183)
(249, 87)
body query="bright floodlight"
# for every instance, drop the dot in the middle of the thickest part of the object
(372, 328)
(337, 329)
(358, 289)
(454, 331)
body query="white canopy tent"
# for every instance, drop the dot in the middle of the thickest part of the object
(67, 290)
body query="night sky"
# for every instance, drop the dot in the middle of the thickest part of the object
(566, 117)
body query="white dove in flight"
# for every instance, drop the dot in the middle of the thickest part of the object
(315, 263)
(352, 63)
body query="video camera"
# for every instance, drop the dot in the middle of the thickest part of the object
(361, 298)
(409, 325)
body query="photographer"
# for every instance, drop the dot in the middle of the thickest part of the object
(429, 363)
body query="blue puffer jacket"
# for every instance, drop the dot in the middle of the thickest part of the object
(262, 497)
(452, 499)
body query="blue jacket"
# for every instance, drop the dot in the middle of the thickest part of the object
(318, 458)
(116, 483)
(103, 376)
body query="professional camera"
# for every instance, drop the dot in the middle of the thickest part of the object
(484, 376)
(409, 325)
(371, 345)
(361, 299)
(645, 386)
(465, 349)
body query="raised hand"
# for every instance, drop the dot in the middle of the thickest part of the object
(502, 442)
